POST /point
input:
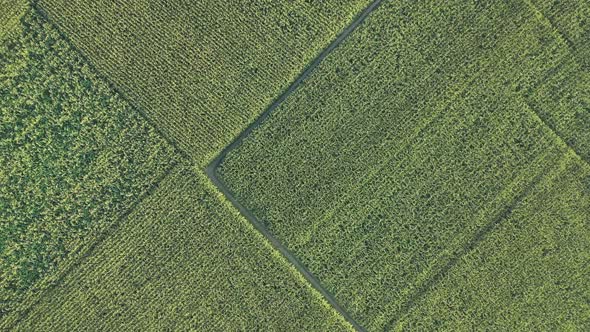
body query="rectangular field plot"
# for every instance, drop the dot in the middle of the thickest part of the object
(531, 273)
(183, 261)
(202, 70)
(411, 138)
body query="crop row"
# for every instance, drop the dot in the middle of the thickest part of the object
(531, 273)
(201, 70)
(183, 260)
(9, 16)
(410, 139)
(75, 157)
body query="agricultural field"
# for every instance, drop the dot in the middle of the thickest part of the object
(75, 157)
(183, 261)
(81, 160)
(530, 273)
(202, 70)
(300, 165)
(398, 156)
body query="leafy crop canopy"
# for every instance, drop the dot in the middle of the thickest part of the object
(74, 155)
(417, 137)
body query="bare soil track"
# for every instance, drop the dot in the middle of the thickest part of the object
(211, 169)
(211, 172)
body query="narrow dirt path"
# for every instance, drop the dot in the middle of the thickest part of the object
(211, 169)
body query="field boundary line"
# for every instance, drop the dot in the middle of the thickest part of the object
(84, 251)
(112, 86)
(535, 113)
(543, 19)
(211, 168)
(550, 24)
(473, 242)
(284, 95)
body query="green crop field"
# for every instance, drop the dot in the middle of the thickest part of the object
(86, 166)
(75, 156)
(530, 272)
(183, 260)
(202, 70)
(295, 165)
(396, 154)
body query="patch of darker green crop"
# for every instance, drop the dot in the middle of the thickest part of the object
(74, 156)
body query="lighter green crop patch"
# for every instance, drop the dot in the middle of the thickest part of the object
(74, 156)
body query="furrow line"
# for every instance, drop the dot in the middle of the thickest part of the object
(85, 251)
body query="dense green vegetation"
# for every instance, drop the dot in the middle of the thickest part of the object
(202, 70)
(74, 157)
(414, 138)
(563, 101)
(529, 274)
(432, 173)
(80, 158)
(183, 261)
